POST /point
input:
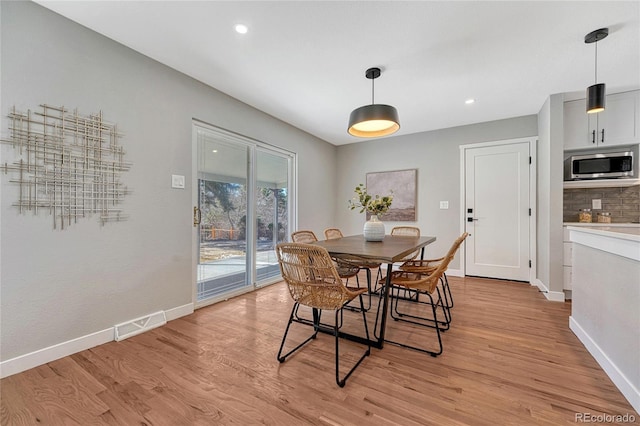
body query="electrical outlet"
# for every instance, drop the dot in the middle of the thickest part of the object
(444, 205)
(596, 204)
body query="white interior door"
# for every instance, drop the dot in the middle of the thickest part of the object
(497, 211)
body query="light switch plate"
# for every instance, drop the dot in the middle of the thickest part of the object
(444, 205)
(177, 181)
(596, 204)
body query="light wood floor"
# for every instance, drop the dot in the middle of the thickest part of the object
(509, 359)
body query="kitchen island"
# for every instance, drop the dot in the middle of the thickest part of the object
(605, 312)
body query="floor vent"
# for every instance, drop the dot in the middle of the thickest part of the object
(140, 325)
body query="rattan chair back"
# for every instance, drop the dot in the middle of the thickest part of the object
(332, 233)
(312, 277)
(456, 244)
(419, 281)
(304, 236)
(407, 231)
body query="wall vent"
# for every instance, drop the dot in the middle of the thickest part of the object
(139, 325)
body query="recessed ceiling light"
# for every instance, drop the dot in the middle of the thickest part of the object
(469, 101)
(214, 151)
(241, 28)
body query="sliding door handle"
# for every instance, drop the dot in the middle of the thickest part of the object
(197, 216)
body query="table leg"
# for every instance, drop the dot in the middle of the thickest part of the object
(385, 305)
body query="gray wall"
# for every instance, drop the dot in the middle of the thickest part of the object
(436, 155)
(59, 285)
(549, 225)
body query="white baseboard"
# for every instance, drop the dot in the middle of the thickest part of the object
(42, 356)
(541, 286)
(179, 311)
(617, 377)
(455, 272)
(554, 296)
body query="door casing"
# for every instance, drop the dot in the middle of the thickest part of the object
(533, 140)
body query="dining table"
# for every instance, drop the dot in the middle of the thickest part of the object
(392, 249)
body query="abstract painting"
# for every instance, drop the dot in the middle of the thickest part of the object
(402, 184)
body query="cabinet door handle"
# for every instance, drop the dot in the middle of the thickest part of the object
(593, 136)
(602, 140)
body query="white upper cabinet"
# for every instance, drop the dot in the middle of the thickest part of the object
(618, 124)
(576, 125)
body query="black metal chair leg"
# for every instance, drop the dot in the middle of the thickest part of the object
(369, 287)
(447, 303)
(446, 310)
(427, 322)
(353, 308)
(447, 288)
(316, 319)
(415, 348)
(343, 381)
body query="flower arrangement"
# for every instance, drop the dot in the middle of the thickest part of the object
(365, 202)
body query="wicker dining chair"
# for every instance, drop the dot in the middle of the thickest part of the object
(333, 233)
(345, 268)
(427, 266)
(304, 236)
(426, 284)
(408, 231)
(313, 281)
(367, 265)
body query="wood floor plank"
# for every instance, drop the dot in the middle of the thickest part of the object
(509, 358)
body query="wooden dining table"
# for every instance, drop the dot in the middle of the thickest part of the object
(392, 249)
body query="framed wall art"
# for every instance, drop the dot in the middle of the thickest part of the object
(403, 185)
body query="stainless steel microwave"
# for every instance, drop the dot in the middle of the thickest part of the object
(602, 165)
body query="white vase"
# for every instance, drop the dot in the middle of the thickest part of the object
(373, 229)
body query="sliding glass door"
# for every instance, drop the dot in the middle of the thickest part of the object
(272, 211)
(242, 210)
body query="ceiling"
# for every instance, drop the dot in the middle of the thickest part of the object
(303, 62)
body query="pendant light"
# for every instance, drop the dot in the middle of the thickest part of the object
(375, 120)
(596, 93)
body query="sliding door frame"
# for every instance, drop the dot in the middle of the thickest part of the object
(253, 145)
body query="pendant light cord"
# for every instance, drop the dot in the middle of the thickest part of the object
(596, 71)
(372, 90)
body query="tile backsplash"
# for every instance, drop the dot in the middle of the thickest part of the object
(622, 202)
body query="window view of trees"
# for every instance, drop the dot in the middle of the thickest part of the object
(224, 207)
(238, 230)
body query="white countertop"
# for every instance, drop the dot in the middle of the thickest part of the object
(623, 232)
(620, 240)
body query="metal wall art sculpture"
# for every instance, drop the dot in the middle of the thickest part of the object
(67, 164)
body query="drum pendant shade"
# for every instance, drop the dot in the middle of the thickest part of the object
(373, 120)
